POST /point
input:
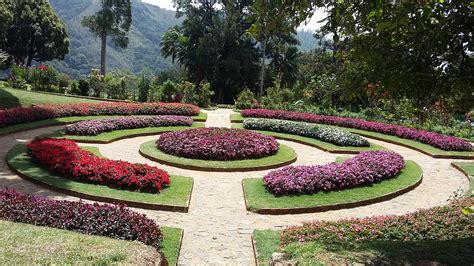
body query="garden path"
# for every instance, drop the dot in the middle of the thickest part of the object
(217, 227)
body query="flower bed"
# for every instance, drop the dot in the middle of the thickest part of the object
(97, 126)
(66, 158)
(93, 219)
(364, 169)
(327, 134)
(220, 144)
(444, 142)
(18, 115)
(438, 223)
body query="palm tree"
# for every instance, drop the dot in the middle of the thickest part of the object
(286, 65)
(173, 43)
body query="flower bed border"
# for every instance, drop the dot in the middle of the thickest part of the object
(155, 157)
(129, 203)
(315, 209)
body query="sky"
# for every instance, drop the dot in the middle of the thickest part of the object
(309, 26)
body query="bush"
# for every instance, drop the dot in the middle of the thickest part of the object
(18, 115)
(18, 77)
(444, 142)
(64, 157)
(246, 100)
(204, 94)
(220, 144)
(64, 81)
(83, 87)
(169, 90)
(97, 126)
(364, 169)
(327, 134)
(438, 223)
(43, 78)
(92, 219)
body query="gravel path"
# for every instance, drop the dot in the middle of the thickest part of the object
(217, 227)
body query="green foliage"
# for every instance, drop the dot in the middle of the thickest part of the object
(43, 78)
(96, 83)
(204, 94)
(83, 86)
(144, 86)
(245, 100)
(169, 90)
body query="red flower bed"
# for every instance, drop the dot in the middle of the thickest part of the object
(444, 142)
(66, 158)
(220, 144)
(92, 219)
(18, 115)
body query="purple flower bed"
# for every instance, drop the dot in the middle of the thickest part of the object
(220, 144)
(97, 126)
(444, 142)
(92, 219)
(364, 169)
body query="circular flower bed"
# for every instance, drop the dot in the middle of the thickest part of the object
(219, 144)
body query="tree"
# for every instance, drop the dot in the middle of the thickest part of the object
(285, 64)
(113, 19)
(34, 32)
(173, 43)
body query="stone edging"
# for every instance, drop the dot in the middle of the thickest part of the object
(461, 170)
(254, 248)
(134, 204)
(280, 211)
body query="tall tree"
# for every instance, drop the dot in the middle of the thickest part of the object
(34, 31)
(113, 19)
(173, 43)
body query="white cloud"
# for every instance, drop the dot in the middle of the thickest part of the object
(166, 4)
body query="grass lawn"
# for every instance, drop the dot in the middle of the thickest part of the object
(450, 252)
(111, 136)
(258, 199)
(326, 146)
(177, 194)
(10, 97)
(171, 244)
(285, 155)
(93, 150)
(201, 117)
(425, 148)
(468, 169)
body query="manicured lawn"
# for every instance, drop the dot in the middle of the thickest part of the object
(432, 151)
(176, 195)
(285, 154)
(25, 244)
(450, 252)
(201, 117)
(93, 150)
(111, 136)
(14, 97)
(171, 244)
(326, 146)
(259, 199)
(468, 169)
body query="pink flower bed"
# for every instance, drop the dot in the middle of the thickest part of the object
(444, 142)
(18, 115)
(364, 169)
(64, 157)
(220, 144)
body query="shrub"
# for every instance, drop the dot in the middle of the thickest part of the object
(327, 134)
(83, 86)
(437, 140)
(92, 219)
(43, 77)
(18, 115)
(219, 144)
(364, 169)
(204, 94)
(64, 157)
(246, 100)
(97, 126)
(438, 223)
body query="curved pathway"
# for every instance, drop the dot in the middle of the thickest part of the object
(218, 227)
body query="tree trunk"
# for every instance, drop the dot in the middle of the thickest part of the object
(103, 50)
(262, 70)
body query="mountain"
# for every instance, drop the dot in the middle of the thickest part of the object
(307, 40)
(149, 24)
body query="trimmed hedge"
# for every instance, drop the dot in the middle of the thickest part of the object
(441, 141)
(18, 115)
(93, 219)
(97, 126)
(327, 134)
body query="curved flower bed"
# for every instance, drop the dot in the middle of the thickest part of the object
(65, 157)
(327, 134)
(364, 169)
(97, 126)
(18, 115)
(220, 144)
(93, 219)
(444, 142)
(438, 223)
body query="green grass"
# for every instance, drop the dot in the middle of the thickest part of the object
(171, 244)
(410, 143)
(467, 168)
(450, 252)
(25, 244)
(284, 154)
(201, 117)
(14, 97)
(258, 197)
(326, 146)
(237, 118)
(111, 136)
(93, 150)
(177, 194)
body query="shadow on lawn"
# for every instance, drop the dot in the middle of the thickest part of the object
(8, 100)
